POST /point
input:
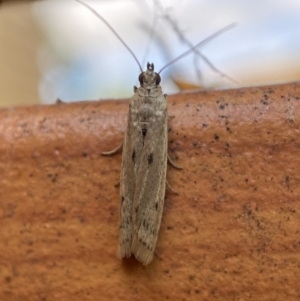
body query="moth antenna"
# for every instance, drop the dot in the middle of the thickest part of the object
(111, 28)
(199, 44)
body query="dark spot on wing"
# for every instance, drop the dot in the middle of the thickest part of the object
(145, 225)
(133, 156)
(122, 199)
(156, 206)
(150, 158)
(144, 132)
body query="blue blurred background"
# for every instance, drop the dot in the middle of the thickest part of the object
(76, 57)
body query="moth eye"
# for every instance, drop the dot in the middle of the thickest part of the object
(141, 78)
(157, 79)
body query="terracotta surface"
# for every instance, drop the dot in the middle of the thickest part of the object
(232, 233)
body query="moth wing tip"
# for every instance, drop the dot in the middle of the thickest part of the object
(123, 253)
(142, 253)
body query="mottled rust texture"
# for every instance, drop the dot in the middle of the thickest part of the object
(232, 233)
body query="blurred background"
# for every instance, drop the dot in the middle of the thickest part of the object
(59, 49)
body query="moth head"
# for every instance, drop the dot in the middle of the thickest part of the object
(149, 77)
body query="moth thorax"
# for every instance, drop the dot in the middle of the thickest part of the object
(147, 99)
(145, 113)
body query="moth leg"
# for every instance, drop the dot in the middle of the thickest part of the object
(173, 164)
(169, 186)
(112, 152)
(157, 255)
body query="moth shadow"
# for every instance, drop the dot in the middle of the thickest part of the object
(131, 265)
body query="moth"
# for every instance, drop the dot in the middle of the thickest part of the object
(144, 168)
(144, 161)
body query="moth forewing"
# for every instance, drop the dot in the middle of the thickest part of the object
(127, 186)
(144, 164)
